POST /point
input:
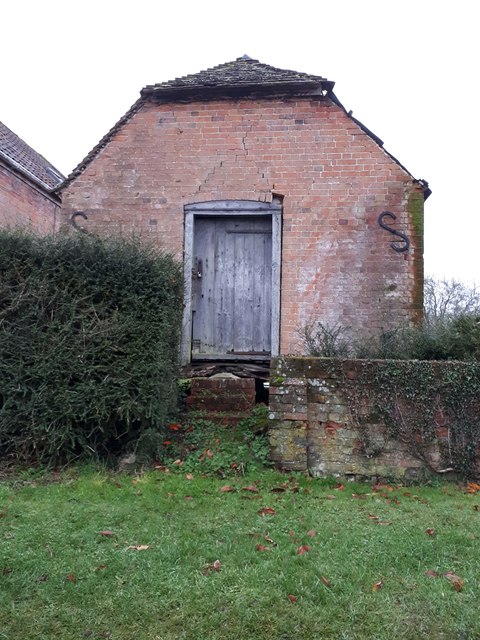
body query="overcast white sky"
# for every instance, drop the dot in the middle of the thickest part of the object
(408, 70)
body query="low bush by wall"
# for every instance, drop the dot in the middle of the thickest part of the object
(375, 418)
(89, 343)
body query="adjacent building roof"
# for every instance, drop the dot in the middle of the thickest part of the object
(19, 155)
(239, 76)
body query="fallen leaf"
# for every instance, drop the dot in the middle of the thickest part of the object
(358, 496)
(174, 427)
(384, 523)
(280, 489)
(215, 566)
(455, 580)
(189, 476)
(178, 463)
(139, 547)
(208, 453)
(303, 549)
(101, 567)
(71, 577)
(266, 511)
(106, 533)
(251, 487)
(268, 539)
(430, 532)
(188, 498)
(325, 581)
(330, 497)
(226, 489)
(311, 533)
(261, 547)
(431, 573)
(292, 598)
(376, 586)
(291, 533)
(339, 487)
(167, 443)
(473, 487)
(372, 516)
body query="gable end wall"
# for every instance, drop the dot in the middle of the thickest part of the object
(337, 263)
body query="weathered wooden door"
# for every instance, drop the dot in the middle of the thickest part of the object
(232, 286)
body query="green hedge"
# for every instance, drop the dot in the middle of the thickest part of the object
(89, 343)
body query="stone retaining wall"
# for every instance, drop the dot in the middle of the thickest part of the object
(312, 428)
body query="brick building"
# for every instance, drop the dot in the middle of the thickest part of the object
(271, 193)
(27, 183)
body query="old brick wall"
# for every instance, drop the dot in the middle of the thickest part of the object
(337, 265)
(312, 427)
(24, 205)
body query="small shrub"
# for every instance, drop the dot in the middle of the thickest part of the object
(326, 341)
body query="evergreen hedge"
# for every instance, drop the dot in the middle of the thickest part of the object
(89, 343)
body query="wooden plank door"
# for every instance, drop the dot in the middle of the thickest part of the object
(232, 285)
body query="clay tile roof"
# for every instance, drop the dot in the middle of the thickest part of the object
(27, 161)
(243, 73)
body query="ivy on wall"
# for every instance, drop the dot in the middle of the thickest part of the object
(420, 402)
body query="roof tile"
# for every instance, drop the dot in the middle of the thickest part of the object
(27, 161)
(244, 72)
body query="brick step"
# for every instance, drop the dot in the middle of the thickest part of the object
(215, 396)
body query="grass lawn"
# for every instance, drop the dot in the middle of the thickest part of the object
(297, 558)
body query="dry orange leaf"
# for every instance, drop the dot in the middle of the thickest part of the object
(430, 532)
(262, 547)
(71, 577)
(139, 547)
(431, 573)
(325, 581)
(266, 511)
(454, 580)
(339, 487)
(292, 598)
(473, 487)
(106, 533)
(376, 586)
(251, 487)
(226, 489)
(101, 567)
(280, 489)
(189, 476)
(330, 497)
(215, 566)
(303, 549)
(311, 533)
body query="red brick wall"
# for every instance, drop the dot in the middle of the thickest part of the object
(23, 205)
(337, 263)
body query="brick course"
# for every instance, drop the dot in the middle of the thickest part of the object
(24, 205)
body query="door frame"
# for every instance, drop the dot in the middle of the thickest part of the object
(231, 208)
